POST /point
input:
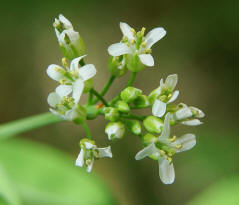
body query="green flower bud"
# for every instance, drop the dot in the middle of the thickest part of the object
(69, 40)
(92, 112)
(115, 130)
(133, 126)
(111, 114)
(153, 95)
(77, 114)
(141, 101)
(153, 124)
(148, 138)
(117, 66)
(88, 84)
(122, 106)
(129, 94)
(133, 63)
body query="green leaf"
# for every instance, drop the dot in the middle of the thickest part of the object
(44, 176)
(223, 192)
(8, 195)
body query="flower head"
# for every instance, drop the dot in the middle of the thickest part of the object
(89, 152)
(71, 79)
(69, 40)
(136, 47)
(162, 148)
(164, 95)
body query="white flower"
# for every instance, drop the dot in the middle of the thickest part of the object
(186, 115)
(137, 44)
(89, 152)
(115, 130)
(70, 41)
(164, 147)
(72, 79)
(164, 95)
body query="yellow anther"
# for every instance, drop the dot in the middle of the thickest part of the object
(64, 62)
(170, 95)
(133, 31)
(127, 44)
(125, 39)
(173, 139)
(57, 69)
(143, 30)
(162, 152)
(62, 81)
(147, 50)
(170, 159)
(143, 44)
(179, 146)
(170, 154)
(133, 41)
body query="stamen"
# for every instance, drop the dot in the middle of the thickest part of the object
(133, 31)
(64, 62)
(173, 139)
(148, 50)
(143, 31)
(179, 146)
(170, 159)
(162, 153)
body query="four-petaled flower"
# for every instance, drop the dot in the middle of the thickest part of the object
(89, 152)
(136, 47)
(71, 79)
(164, 95)
(164, 147)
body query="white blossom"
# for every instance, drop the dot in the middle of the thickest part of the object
(89, 152)
(164, 147)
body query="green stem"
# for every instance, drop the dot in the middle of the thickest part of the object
(106, 88)
(87, 130)
(90, 98)
(99, 96)
(19, 126)
(131, 80)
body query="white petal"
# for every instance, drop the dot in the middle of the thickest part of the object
(147, 151)
(118, 49)
(89, 145)
(194, 122)
(171, 81)
(90, 166)
(80, 159)
(159, 108)
(166, 128)
(174, 96)
(166, 171)
(63, 90)
(188, 141)
(146, 59)
(65, 21)
(86, 72)
(126, 30)
(53, 99)
(75, 63)
(199, 113)
(53, 73)
(183, 113)
(78, 87)
(154, 36)
(105, 152)
(57, 114)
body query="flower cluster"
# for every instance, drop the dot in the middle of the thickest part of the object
(133, 54)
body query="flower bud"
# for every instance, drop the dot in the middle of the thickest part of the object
(133, 63)
(122, 106)
(154, 94)
(129, 94)
(153, 124)
(69, 40)
(111, 114)
(133, 126)
(141, 101)
(148, 138)
(115, 130)
(116, 66)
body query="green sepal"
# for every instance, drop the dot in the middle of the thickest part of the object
(129, 94)
(153, 124)
(111, 114)
(133, 126)
(88, 84)
(116, 67)
(133, 63)
(79, 114)
(141, 101)
(122, 106)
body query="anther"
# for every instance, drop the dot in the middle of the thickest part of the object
(173, 139)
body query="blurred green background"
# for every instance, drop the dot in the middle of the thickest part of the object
(201, 45)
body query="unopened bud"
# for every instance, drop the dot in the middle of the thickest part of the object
(134, 126)
(129, 94)
(122, 106)
(111, 114)
(142, 101)
(115, 130)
